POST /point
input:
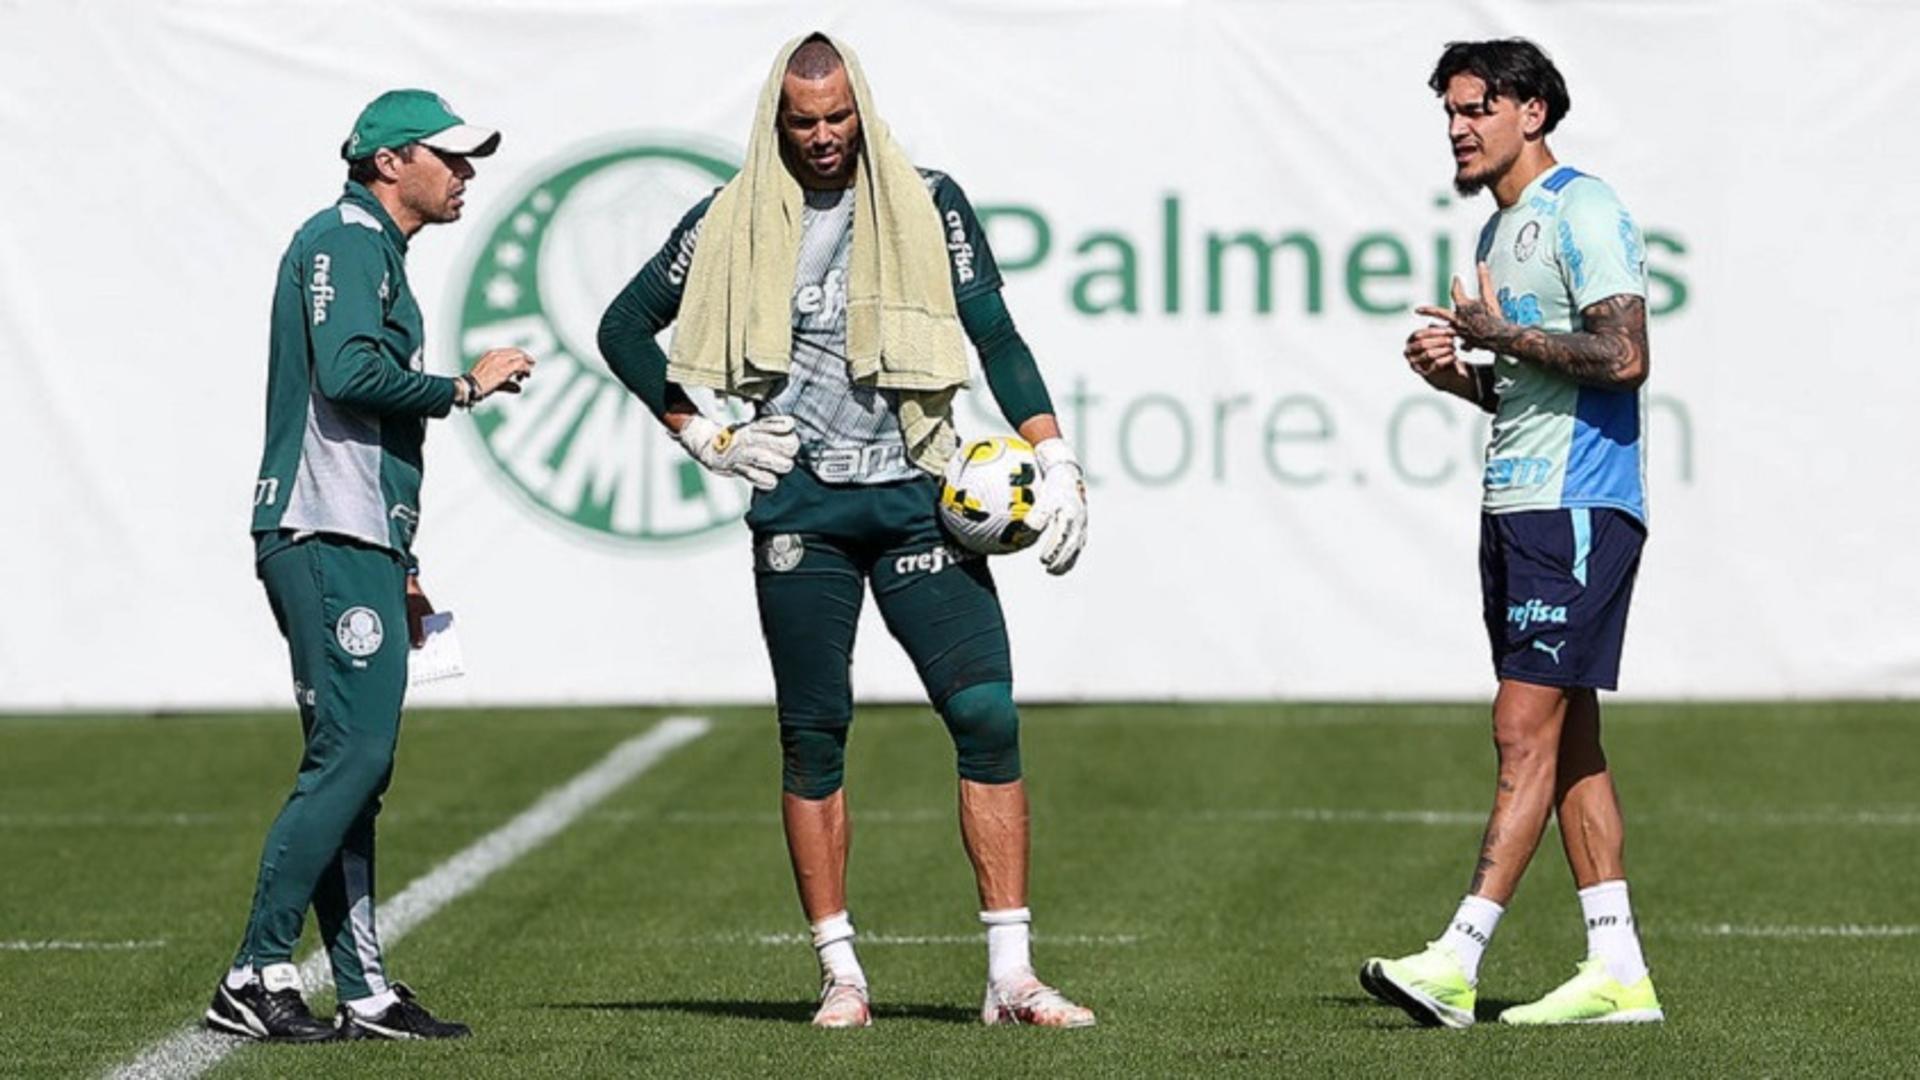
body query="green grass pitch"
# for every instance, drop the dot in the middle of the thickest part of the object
(1207, 877)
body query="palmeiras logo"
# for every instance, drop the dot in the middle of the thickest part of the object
(576, 444)
(783, 552)
(359, 631)
(1528, 239)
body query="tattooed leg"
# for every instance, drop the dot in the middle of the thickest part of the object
(1526, 732)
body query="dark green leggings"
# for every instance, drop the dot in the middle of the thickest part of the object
(816, 547)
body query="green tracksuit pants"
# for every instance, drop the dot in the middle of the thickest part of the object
(341, 606)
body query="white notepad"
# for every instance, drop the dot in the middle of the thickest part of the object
(439, 657)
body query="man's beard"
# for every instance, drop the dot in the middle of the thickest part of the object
(1468, 186)
(840, 171)
(801, 164)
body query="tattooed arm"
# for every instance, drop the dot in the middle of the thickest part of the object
(1609, 351)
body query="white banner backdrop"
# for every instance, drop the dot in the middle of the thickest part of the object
(1279, 508)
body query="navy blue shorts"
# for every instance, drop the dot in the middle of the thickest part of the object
(1555, 586)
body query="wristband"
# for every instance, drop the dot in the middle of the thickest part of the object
(1484, 382)
(473, 390)
(1054, 452)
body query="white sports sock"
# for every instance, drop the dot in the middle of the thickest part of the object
(279, 977)
(1470, 931)
(1009, 943)
(369, 1007)
(239, 975)
(1611, 935)
(833, 940)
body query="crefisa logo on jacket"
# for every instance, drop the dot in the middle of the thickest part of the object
(576, 444)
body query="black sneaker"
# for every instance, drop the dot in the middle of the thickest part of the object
(254, 1013)
(404, 1019)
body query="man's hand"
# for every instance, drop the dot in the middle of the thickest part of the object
(1060, 511)
(1476, 322)
(1430, 352)
(418, 608)
(500, 369)
(760, 451)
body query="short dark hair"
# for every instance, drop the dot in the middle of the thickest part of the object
(1512, 68)
(816, 58)
(364, 171)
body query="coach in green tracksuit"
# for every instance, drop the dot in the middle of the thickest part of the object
(335, 508)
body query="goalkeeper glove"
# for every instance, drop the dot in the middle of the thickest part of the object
(1060, 511)
(759, 451)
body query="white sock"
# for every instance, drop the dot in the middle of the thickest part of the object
(1009, 943)
(1611, 935)
(239, 975)
(369, 1007)
(1472, 927)
(833, 940)
(279, 977)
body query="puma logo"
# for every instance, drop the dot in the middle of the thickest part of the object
(1550, 650)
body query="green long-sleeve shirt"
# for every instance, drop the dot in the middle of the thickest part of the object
(347, 401)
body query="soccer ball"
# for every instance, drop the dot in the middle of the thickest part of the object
(990, 488)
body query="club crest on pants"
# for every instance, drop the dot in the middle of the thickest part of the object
(359, 631)
(782, 552)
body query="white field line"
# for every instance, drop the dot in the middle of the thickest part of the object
(1401, 714)
(772, 817)
(80, 946)
(863, 939)
(1320, 815)
(1899, 819)
(193, 1050)
(1441, 717)
(1310, 815)
(1712, 930)
(1794, 933)
(101, 820)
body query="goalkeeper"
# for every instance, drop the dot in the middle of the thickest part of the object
(829, 284)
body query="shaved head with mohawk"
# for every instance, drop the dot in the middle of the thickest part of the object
(816, 58)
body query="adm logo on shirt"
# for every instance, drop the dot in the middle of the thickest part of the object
(581, 450)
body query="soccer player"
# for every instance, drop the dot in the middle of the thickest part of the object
(334, 513)
(830, 285)
(1562, 309)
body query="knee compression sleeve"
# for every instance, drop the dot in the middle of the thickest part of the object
(813, 759)
(986, 732)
